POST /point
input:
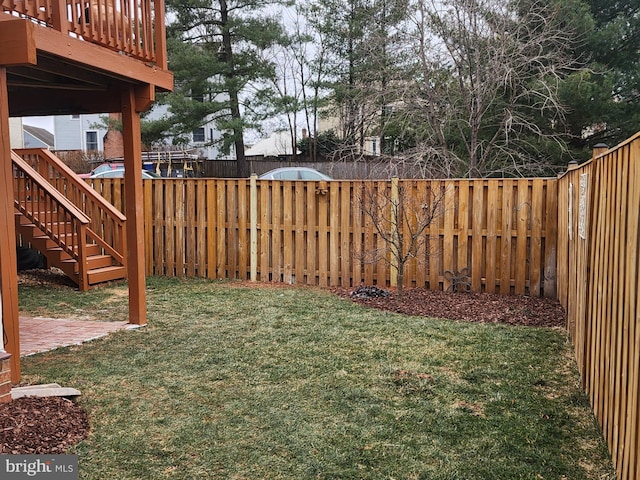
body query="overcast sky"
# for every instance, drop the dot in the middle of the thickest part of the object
(42, 122)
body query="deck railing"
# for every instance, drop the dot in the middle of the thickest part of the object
(133, 27)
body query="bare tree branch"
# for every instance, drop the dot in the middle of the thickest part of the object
(401, 217)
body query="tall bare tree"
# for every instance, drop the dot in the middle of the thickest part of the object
(485, 94)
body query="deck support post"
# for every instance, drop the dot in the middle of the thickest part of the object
(8, 260)
(134, 207)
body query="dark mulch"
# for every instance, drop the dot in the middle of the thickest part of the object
(472, 307)
(36, 426)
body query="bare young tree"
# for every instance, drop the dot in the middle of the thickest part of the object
(401, 217)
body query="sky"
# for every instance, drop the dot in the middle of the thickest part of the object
(42, 122)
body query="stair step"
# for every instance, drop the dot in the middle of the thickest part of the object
(70, 268)
(91, 249)
(99, 261)
(55, 226)
(106, 274)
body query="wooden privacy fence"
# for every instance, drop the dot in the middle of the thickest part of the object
(502, 231)
(598, 267)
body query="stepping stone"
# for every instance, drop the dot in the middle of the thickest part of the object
(48, 390)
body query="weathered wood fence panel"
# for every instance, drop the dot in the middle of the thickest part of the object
(498, 235)
(598, 266)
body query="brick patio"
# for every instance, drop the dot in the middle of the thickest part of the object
(42, 334)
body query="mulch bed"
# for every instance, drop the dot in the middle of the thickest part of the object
(37, 426)
(471, 307)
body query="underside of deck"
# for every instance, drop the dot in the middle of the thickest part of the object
(75, 57)
(49, 73)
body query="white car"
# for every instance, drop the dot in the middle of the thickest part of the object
(294, 173)
(119, 173)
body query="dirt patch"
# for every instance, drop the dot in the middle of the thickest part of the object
(52, 277)
(36, 426)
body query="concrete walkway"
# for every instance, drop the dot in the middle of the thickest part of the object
(42, 334)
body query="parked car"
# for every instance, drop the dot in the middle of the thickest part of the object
(119, 173)
(103, 167)
(294, 173)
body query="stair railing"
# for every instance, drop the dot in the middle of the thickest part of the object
(52, 213)
(108, 224)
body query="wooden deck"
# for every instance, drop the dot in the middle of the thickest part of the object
(70, 64)
(71, 57)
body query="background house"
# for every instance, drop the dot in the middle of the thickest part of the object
(89, 133)
(79, 132)
(37, 137)
(278, 144)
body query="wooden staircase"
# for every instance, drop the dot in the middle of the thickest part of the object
(78, 232)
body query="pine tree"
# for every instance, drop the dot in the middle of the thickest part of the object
(604, 97)
(215, 51)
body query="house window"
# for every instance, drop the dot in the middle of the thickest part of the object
(75, 117)
(91, 141)
(198, 135)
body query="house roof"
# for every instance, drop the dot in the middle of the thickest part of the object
(41, 134)
(279, 143)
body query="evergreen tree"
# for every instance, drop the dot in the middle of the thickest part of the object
(215, 51)
(603, 99)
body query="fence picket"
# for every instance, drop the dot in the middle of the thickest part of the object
(345, 235)
(264, 208)
(180, 227)
(537, 205)
(323, 237)
(287, 231)
(311, 240)
(522, 211)
(201, 229)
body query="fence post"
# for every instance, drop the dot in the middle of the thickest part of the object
(395, 211)
(253, 218)
(599, 149)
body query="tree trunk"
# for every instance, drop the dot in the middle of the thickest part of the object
(400, 278)
(242, 169)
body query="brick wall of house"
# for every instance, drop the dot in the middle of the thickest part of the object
(113, 142)
(5, 377)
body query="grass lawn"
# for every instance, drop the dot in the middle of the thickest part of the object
(234, 382)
